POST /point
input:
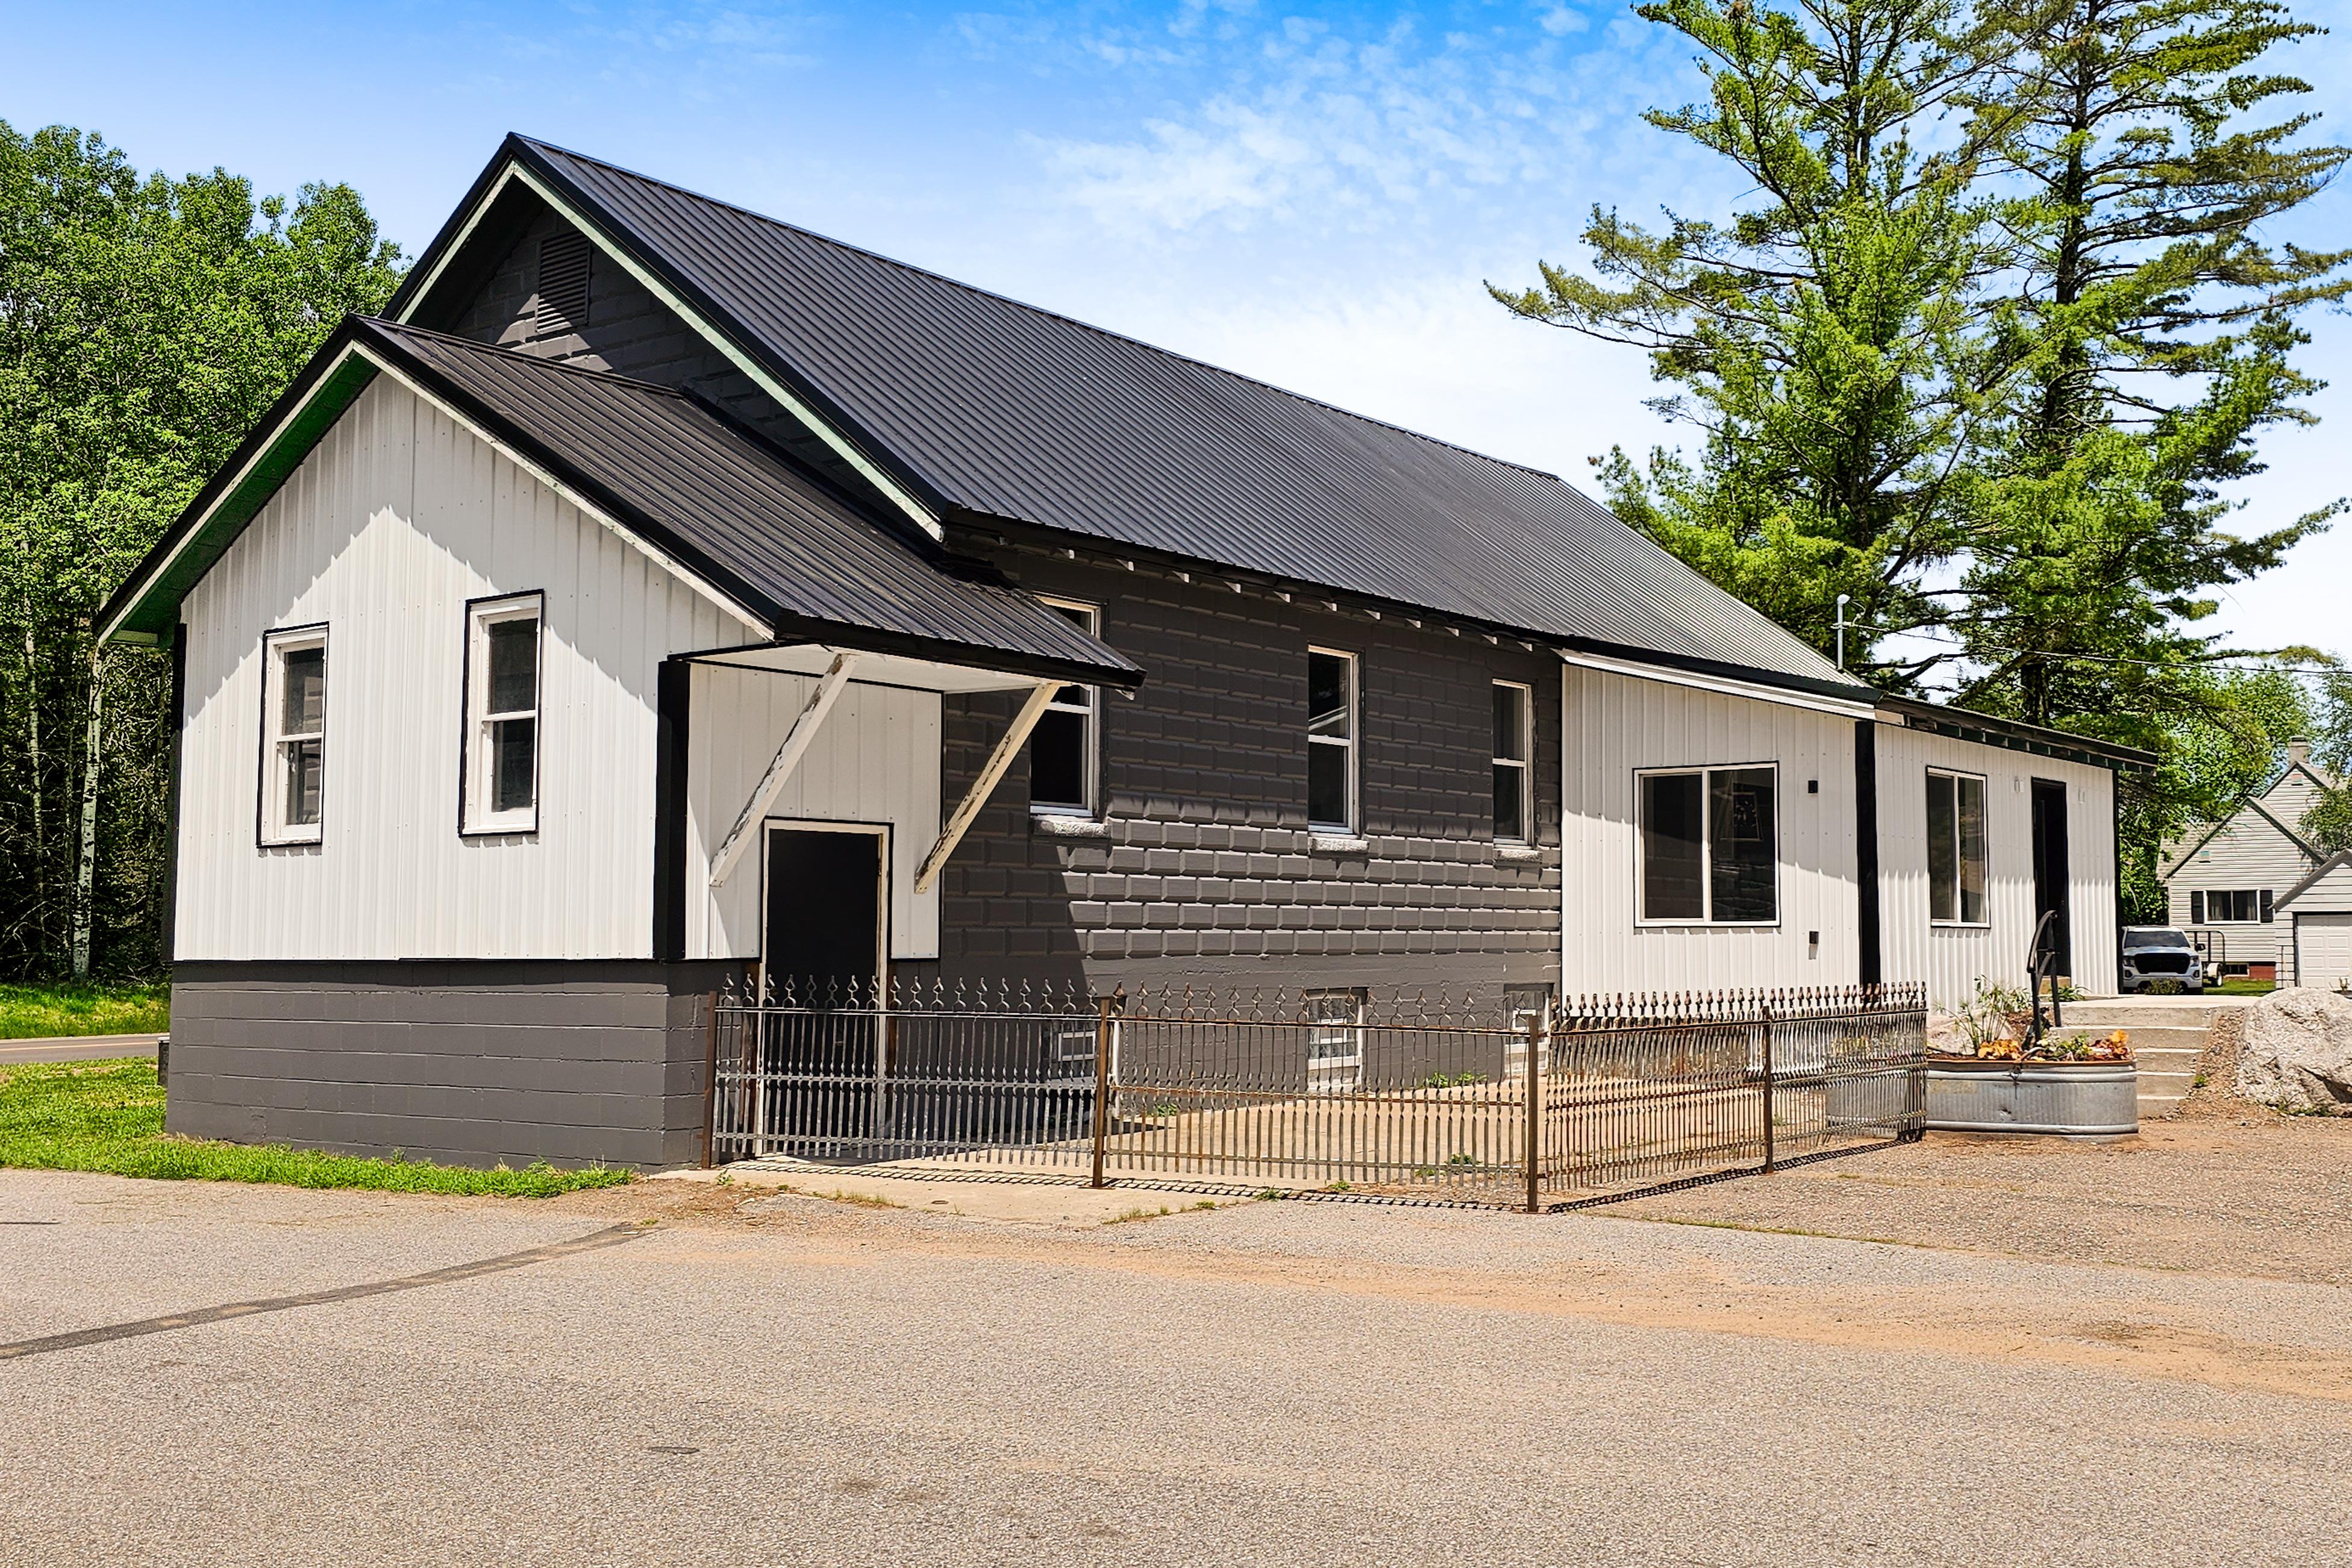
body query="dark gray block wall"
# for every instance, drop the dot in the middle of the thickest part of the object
(1206, 873)
(465, 1062)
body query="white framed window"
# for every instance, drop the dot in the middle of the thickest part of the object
(1331, 704)
(293, 805)
(1514, 745)
(1956, 858)
(1064, 749)
(1710, 850)
(2231, 906)
(1334, 1041)
(500, 790)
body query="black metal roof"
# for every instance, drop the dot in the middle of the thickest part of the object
(813, 565)
(990, 408)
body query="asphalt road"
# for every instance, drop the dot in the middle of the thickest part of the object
(787, 1380)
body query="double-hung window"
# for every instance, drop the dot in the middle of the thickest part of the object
(1709, 846)
(500, 791)
(1956, 848)
(1063, 749)
(1514, 743)
(1334, 1041)
(1331, 790)
(293, 736)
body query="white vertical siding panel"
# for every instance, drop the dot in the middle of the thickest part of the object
(397, 518)
(1953, 959)
(1613, 724)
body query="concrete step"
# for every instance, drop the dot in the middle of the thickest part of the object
(2152, 1012)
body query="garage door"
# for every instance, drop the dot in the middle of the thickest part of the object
(2323, 950)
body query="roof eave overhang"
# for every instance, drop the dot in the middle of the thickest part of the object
(517, 159)
(1959, 723)
(1045, 536)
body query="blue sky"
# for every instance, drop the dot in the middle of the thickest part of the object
(1310, 193)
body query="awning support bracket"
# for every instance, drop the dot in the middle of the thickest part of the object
(788, 757)
(985, 785)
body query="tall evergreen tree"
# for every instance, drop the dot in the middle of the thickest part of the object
(145, 323)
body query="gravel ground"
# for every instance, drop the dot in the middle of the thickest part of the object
(2069, 1357)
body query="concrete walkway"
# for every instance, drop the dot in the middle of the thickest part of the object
(2167, 1035)
(76, 1048)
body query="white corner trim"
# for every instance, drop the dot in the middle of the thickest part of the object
(1844, 707)
(587, 507)
(848, 450)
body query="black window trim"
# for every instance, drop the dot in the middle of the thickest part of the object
(1985, 779)
(262, 769)
(1642, 920)
(474, 607)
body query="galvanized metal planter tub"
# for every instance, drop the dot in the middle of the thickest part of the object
(2068, 1099)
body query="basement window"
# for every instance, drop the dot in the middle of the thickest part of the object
(1956, 848)
(1334, 1041)
(1064, 750)
(500, 787)
(294, 735)
(1709, 846)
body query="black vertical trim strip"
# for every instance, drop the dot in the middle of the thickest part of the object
(673, 691)
(1872, 964)
(172, 791)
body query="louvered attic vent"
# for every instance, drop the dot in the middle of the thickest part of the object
(563, 282)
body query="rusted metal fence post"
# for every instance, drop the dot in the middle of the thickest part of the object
(1769, 1155)
(1102, 1083)
(710, 1082)
(1539, 1031)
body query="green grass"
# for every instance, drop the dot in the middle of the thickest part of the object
(44, 1012)
(108, 1116)
(2240, 986)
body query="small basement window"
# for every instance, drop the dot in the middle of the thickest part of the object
(1063, 749)
(294, 735)
(1331, 791)
(1956, 848)
(1514, 744)
(501, 788)
(1710, 850)
(1334, 1041)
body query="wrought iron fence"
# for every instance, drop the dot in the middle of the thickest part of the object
(1471, 1100)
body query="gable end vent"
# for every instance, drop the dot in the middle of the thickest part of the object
(563, 282)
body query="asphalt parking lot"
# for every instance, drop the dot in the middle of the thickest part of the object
(1947, 1354)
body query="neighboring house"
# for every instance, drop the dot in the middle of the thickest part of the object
(663, 592)
(2229, 879)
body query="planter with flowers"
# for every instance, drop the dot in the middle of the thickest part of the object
(2000, 1078)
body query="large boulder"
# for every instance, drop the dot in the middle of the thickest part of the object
(2298, 1052)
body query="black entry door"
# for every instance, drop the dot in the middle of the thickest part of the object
(823, 930)
(2050, 877)
(822, 955)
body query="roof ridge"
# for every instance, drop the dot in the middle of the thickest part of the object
(1051, 315)
(409, 328)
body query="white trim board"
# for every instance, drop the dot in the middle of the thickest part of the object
(1718, 683)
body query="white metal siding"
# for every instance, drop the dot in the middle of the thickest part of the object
(1615, 724)
(1952, 959)
(396, 518)
(876, 760)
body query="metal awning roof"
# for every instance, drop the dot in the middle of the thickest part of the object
(810, 566)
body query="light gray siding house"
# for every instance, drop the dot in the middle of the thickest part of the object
(663, 595)
(2228, 880)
